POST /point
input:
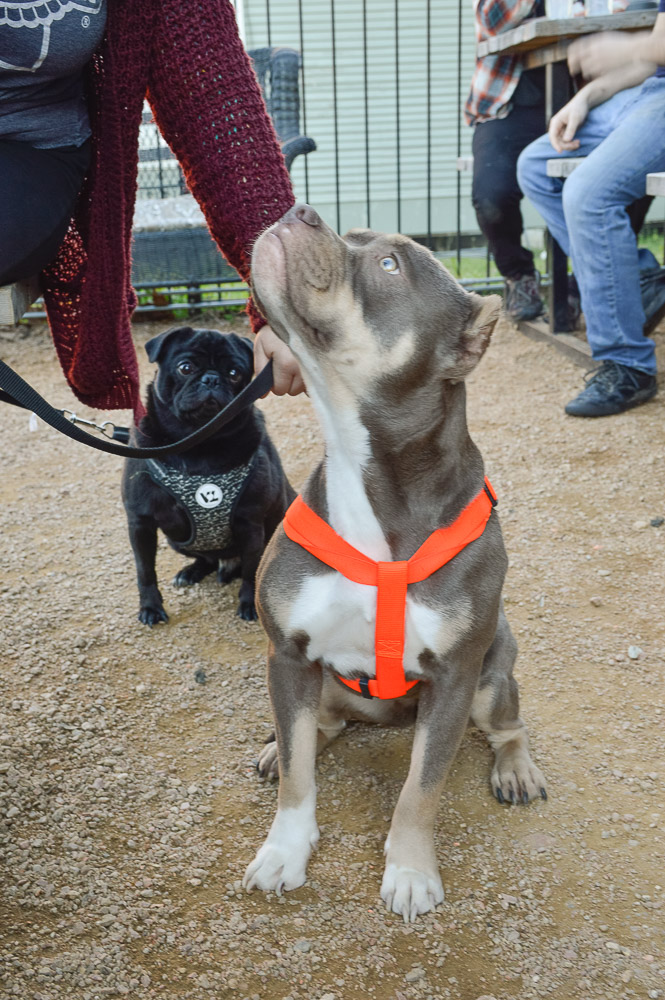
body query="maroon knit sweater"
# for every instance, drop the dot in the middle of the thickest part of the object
(188, 60)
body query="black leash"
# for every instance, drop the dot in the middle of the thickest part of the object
(14, 389)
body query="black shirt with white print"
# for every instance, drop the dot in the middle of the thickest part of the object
(44, 47)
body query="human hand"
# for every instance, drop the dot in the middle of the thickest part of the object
(287, 379)
(596, 55)
(565, 123)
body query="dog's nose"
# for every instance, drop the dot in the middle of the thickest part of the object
(307, 215)
(210, 380)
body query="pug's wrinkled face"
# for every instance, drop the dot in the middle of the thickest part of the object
(200, 372)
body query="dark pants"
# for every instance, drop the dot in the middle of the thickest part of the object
(495, 192)
(39, 192)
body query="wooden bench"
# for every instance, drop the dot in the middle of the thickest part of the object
(15, 300)
(563, 166)
(656, 184)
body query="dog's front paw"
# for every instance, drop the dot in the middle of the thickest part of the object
(247, 611)
(281, 863)
(274, 869)
(408, 892)
(516, 779)
(152, 614)
(246, 606)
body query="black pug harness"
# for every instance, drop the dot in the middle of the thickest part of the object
(208, 501)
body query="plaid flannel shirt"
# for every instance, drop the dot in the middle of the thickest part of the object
(495, 77)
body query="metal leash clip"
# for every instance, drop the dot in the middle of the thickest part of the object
(107, 428)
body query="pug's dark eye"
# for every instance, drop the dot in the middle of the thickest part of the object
(235, 375)
(185, 367)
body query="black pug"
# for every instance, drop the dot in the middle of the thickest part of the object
(220, 501)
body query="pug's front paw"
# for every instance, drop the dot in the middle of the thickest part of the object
(152, 614)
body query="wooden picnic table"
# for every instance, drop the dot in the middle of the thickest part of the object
(543, 41)
(533, 36)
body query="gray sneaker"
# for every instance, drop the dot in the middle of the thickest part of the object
(522, 297)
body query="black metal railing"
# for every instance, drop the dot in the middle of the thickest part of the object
(381, 86)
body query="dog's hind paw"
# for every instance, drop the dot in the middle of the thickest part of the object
(409, 892)
(228, 570)
(192, 573)
(517, 780)
(268, 763)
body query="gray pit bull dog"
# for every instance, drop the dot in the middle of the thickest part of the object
(385, 337)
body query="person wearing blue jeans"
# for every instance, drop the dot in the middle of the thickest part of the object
(617, 122)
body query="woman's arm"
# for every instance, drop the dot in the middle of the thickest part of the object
(209, 108)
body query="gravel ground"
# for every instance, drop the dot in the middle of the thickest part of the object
(129, 803)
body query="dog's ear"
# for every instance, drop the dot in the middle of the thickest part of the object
(155, 347)
(476, 335)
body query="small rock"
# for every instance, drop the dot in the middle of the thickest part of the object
(303, 945)
(635, 652)
(596, 601)
(639, 525)
(656, 522)
(414, 975)
(200, 676)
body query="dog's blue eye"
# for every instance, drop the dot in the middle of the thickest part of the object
(185, 368)
(390, 264)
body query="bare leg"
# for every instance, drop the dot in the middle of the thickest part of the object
(495, 710)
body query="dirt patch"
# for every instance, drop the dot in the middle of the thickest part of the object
(129, 803)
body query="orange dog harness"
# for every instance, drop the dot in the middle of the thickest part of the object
(391, 579)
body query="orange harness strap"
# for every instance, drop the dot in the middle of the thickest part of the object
(391, 579)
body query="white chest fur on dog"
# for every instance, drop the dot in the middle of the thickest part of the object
(339, 617)
(338, 614)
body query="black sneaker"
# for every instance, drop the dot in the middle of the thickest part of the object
(612, 388)
(522, 297)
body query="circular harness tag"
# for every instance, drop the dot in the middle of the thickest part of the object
(209, 496)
